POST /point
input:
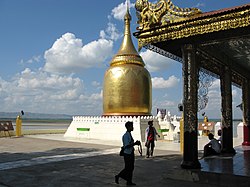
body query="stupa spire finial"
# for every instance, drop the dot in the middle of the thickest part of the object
(127, 17)
(127, 52)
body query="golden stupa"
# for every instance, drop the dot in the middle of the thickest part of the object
(127, 89)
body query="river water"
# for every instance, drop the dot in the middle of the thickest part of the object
(64, 124)
(43, 125)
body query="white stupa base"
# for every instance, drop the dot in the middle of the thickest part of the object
(240, 130)
(108, 128)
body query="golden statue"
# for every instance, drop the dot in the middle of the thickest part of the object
(127, 89)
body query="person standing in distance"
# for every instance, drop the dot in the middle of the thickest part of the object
(129, 156)
(150, 137)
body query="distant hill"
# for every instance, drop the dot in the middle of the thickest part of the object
(30, 115)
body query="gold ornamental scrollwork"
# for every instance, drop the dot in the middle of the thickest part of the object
(191, 27)
(160, 13)
(190, 122)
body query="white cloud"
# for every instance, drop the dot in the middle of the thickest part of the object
(214, 92)
(66, 95)
(198, 5)
(95, 83)
(68, 54)
(167, 104)
(96, 96)
(41, 80)
(111, 32)
(92, 103)
(119, 11)
(159, 82)
(34, 59)
(214, 98)
(213, 107)
(39, 91)
(215, 84)
(155, 62)
(235, 93)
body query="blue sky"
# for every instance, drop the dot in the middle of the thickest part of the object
(54, 54)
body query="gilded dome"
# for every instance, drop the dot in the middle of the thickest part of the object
(127, 88)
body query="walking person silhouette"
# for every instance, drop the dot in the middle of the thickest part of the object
(129, 156)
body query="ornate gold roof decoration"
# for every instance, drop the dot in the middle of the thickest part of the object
(205, 23)
(163, 12)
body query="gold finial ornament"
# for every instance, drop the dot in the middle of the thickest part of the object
(127, 51)
(163, 12)
(127, 89)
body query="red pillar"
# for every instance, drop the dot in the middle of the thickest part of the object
(246, 131)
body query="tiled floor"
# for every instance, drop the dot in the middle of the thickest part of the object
(238, 164)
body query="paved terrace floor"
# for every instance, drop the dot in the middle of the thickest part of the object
(52, 160)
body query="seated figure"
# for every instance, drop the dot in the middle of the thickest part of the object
(220, 137)
(213, 147)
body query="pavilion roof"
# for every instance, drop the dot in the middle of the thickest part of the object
(223, 35)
